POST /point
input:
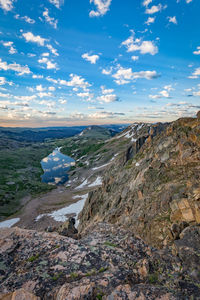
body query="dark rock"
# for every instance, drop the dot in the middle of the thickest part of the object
(68, 228)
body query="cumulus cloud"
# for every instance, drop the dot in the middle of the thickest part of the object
(2, 95)
(143, 47)
(11, 47)
(25, 98)
(195, 74)
(126, 75)
(53, 22)
(155, 8)
(76, 81)
(134, 58)
(30, 37)
(106, 91)
(40, 88)
(150, 20)
(62, 101)
(107, 71)
(57, 3)
(49, 64)
(197, 52)
(146, 2)
(102, 7)
(44, 94)
(53, 50)
(107, 98)
(25, 18)
(91, 58)
(6, 5)
(37, 76)
(14, 67)
(173, 20)
(104, 115)
(164, 93)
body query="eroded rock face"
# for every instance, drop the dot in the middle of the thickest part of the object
(109, 263)
(157, 187)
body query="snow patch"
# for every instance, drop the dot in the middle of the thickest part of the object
(9, 223)
(60, 215)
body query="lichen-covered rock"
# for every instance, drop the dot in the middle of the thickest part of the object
(108, 263)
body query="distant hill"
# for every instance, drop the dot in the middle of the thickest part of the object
(10, 135)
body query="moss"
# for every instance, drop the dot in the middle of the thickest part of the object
(109, 244)
(57, 276)
(33, 258)
(74, 275)
(153, 278)
(102, 269)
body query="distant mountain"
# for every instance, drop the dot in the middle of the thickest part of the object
(99, 132)
(41, 134)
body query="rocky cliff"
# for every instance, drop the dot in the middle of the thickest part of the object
(153, 188)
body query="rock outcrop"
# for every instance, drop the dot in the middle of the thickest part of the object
(109, 263)
(154, 186)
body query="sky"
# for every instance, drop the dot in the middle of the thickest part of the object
(83, 62)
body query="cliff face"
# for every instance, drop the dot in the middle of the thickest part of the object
(109, 263)
(152, 189)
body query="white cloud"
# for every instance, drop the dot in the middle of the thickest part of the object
(25, 98)
(154, 9)
(172, 20)
(197, 52)
(2, 80)
(104, 115)
(49, 64)
(57, 3)
(76, 81)
(188, 1)
(40, 88)
(25, 18)
(196, 94)
(91, 58)
(107, 72)
(102, 7)
(11, 47)
(134, 58)
(6, 5)
(62, 101)
(14, 67)
(37, 76)
(123, 75)
(30, 37)
(87, 95)
(2, 95)
(44, 94)
(164, 93)
(143, 47)
(146, 2)
(46, 54)
(107, 98)
(150, 20)
(106, 91)
(195, 74)
(51, 88)
(53, 50)
(53, 22)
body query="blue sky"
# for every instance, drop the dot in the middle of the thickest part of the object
(72, 62)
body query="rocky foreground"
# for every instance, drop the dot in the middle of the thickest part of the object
(108, 263)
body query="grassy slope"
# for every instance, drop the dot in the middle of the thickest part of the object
(20, 172)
